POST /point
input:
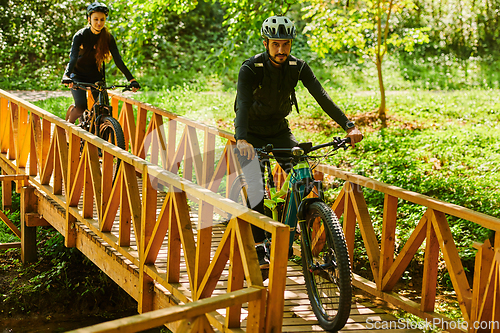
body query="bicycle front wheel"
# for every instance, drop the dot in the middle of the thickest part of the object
(110, 130)
(326, 267)
(238, 192)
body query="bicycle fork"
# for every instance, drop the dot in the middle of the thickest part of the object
(314, 267)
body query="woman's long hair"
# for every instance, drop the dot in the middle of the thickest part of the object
(102, 53)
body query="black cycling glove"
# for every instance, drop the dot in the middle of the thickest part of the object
(66, 80)
(135, 84)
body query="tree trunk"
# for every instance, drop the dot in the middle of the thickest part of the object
(381, 110)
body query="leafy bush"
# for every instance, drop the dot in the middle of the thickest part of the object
(40, 46)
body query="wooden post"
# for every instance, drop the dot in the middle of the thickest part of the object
(349, 226)
(6, 194)
(388, 236)
(429, 283)
(148, 222)
(70, 232)
(28, 234)
(277, 279)
(146, 291)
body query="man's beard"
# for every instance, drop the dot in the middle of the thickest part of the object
(274, 58)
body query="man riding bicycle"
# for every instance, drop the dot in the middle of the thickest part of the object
(265, 96)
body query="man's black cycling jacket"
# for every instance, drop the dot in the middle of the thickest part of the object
(264, 93)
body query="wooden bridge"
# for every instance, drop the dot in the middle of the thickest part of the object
(166, 241)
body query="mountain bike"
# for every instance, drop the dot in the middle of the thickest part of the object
(99, 119)
(300, 204)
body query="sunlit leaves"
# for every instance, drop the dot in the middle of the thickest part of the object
(360, 29)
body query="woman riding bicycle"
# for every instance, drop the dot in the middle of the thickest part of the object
(92, 46)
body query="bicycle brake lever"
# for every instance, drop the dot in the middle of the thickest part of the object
(126, 89)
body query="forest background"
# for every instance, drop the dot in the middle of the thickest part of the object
(168, 43)
(438, 60)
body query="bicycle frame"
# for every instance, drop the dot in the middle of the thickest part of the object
(297, 186)
(324, 256)
(101, 106)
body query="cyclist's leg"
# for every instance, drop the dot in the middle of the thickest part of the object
(254, 171)
(254, 179)
(285, 140)
(80, 97)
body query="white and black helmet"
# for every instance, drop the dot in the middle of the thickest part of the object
(97, 7)
(278, 27)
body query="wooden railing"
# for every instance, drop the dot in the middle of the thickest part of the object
(480, 305)
(171, 145)
(38, 144)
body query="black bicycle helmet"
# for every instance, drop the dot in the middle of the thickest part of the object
(278, 27)
(97, 7)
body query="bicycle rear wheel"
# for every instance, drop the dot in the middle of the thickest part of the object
(326, 267)
(110, 130)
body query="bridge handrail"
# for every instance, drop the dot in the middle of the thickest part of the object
(482, 219)
(34, 142)
(185, 153)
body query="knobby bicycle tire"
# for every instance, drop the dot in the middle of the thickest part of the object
(328, 279)
(110, 130)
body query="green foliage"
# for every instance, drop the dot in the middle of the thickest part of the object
(167, 42)
(36, 34)
(57, 106)
(356, 28)
(171, 43)
(62, 279)
(6, 235)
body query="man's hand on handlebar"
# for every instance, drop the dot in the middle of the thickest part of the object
(355, 135)
(246, 149)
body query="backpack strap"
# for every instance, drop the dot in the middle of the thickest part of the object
(256, 65)
(296, 66)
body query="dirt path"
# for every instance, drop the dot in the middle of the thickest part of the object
(33, 96)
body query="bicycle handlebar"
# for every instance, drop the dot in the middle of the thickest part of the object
(99, 85)
(305, 148)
